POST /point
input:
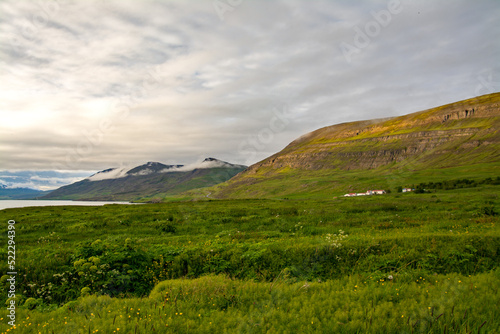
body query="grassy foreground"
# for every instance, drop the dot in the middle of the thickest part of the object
(397, 263)
(215, 304)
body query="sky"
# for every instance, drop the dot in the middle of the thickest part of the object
(90, 85)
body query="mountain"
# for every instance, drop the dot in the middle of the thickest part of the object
(20, 193)
(146, 169)
(456, 140)
(152, 180)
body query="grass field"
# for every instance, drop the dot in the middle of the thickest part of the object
(396, 263)
(321, 184)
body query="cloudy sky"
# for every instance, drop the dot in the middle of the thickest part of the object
(89, 85)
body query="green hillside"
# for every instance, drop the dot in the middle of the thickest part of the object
(452, 141)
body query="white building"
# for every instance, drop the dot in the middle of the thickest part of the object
(367, 193)
(375, 192)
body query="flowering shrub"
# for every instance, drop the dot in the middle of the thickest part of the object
(335, 240)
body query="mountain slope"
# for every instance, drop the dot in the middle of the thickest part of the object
(457, 139)
(20, 193)
(148, 181)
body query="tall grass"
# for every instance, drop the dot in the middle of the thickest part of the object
(395, 263)
(217, 304)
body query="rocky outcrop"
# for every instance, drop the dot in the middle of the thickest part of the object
(373, 152)
(445, 136)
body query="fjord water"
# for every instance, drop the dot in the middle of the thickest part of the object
(7, 204)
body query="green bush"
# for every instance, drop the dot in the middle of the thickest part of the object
(168, 228)
(85, 291)
(32, 303)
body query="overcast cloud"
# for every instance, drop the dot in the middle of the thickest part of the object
(89, 85)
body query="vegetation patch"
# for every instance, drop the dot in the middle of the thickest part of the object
(394, 263)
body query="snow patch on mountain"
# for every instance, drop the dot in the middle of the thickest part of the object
(143, 172)
(151, 168)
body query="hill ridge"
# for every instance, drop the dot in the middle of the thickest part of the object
(149, 181)
(457, 134)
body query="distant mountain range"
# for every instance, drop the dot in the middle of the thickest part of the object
(457, 140)
(20, 193)
(151, 181)
(460, 139)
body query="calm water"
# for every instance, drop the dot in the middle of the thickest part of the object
(6, 204)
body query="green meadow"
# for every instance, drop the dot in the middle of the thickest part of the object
(395, 263)
(319, 184)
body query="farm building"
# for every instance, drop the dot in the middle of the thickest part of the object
(367, 193)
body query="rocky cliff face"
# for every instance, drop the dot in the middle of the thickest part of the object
(457, 128)
(458, 134)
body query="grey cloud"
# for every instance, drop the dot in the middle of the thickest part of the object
(176, 83)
